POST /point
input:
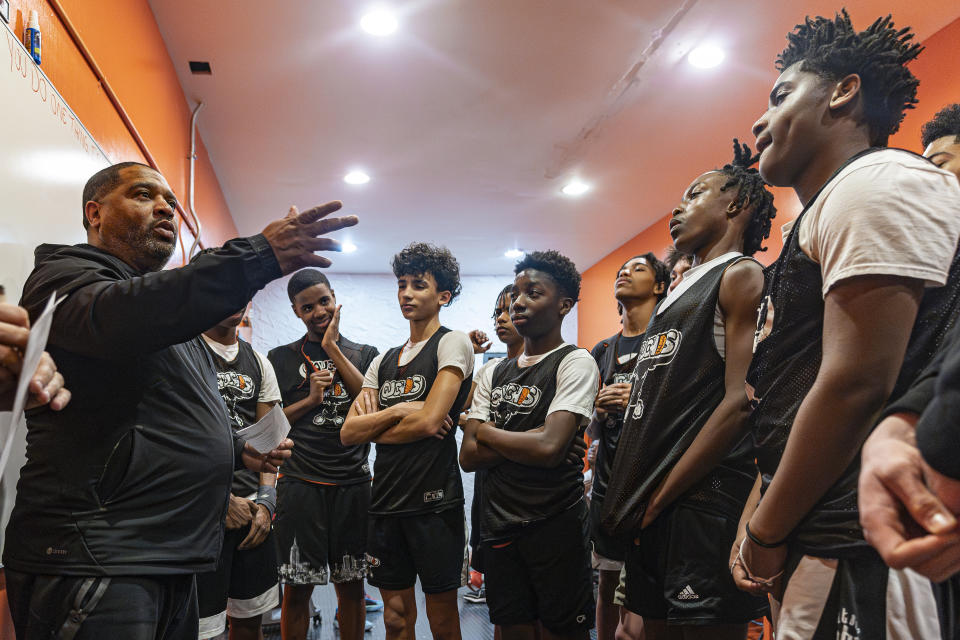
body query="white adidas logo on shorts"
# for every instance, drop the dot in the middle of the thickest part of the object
(687, 593)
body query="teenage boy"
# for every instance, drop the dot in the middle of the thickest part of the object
(640, 284)
(244, 586)
(878, 226)
(684, 466)
(523, 423)
(898, 489)
(324, 490)
(413, 395)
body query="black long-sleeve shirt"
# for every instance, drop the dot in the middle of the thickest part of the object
(132, 477)
(935, 397)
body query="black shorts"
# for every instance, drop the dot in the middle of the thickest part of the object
(431, 546)
(543, 574)
(679, 571)
(604, 545)
(321, 525)
(243, 586)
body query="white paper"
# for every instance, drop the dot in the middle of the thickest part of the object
(268, 432)
(36, 344)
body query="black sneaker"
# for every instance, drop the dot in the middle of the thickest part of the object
(476, 597)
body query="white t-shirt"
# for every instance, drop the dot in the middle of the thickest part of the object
(269, 389)
(578, 380)
(886, 213)
(689, 277)
(454, 350)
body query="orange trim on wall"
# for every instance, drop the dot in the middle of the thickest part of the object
(123, 37)
(939, 76)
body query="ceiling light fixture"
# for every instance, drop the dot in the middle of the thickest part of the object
(706, 56)
(356, 177)
(379, 22)
(575, 188)
(348, 247)
(513, 253)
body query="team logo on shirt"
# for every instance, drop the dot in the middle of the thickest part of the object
(623, 378)
(405, 389)
(512, 399)
(656, 351)
(235, 387)
(331, 411)
(321, 365)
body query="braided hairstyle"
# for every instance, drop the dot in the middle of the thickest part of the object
(833, 49)
(752, 196)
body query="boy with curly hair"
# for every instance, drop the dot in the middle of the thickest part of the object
(523, 429)
(841, 327)
(412, 396)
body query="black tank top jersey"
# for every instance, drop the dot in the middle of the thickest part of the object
(785, 366)
(516, 495)
(679, 383)
(616, 358)
(319, 456)
(420, 476)
(239, 383)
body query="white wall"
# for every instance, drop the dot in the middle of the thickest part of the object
(371, 315)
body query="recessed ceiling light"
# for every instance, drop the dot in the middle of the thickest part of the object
(575, 188)
(513, 253)
(348, 247)
(356, 177)
(706, 56)
(379, 22)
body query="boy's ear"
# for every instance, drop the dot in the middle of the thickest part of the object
(445, 297)
(566, 305)
(845, 92)
(659, 288)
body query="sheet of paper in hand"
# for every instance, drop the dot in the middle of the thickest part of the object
(36, 344)
(268, 432)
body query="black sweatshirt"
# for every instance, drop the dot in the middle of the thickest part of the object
(132, 477)
(935, 397)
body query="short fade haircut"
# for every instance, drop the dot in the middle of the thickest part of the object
(419, 258)
(304, 279)
(833, 49)
(103, 182)
(945, 123)
(661, 273)
(558, 267)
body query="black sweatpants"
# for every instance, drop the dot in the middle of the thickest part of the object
(99, 607)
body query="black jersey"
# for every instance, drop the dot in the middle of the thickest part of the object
(516, 495)
(424, 475)
(786, 363)
(679, 383)
(319, 456)
(616, 358)
(239, 382)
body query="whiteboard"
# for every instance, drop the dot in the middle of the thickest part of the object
(46, 156)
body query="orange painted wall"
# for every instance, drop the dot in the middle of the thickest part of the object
(125, 42)
(939, 74)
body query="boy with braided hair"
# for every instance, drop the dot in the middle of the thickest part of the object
(842, 328)
(684, 464)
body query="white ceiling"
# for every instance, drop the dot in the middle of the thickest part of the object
(474, 114)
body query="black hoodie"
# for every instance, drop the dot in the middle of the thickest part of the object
(132, 477)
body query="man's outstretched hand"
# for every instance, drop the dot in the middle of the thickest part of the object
(295, 237)
(267, 462)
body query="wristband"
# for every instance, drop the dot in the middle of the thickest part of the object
(760, 543)
(267, 496)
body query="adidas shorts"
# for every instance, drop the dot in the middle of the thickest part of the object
(677, 571)
(543, 574)
(856, 599)
(320, 526)
(243, 586)
(431, 546)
